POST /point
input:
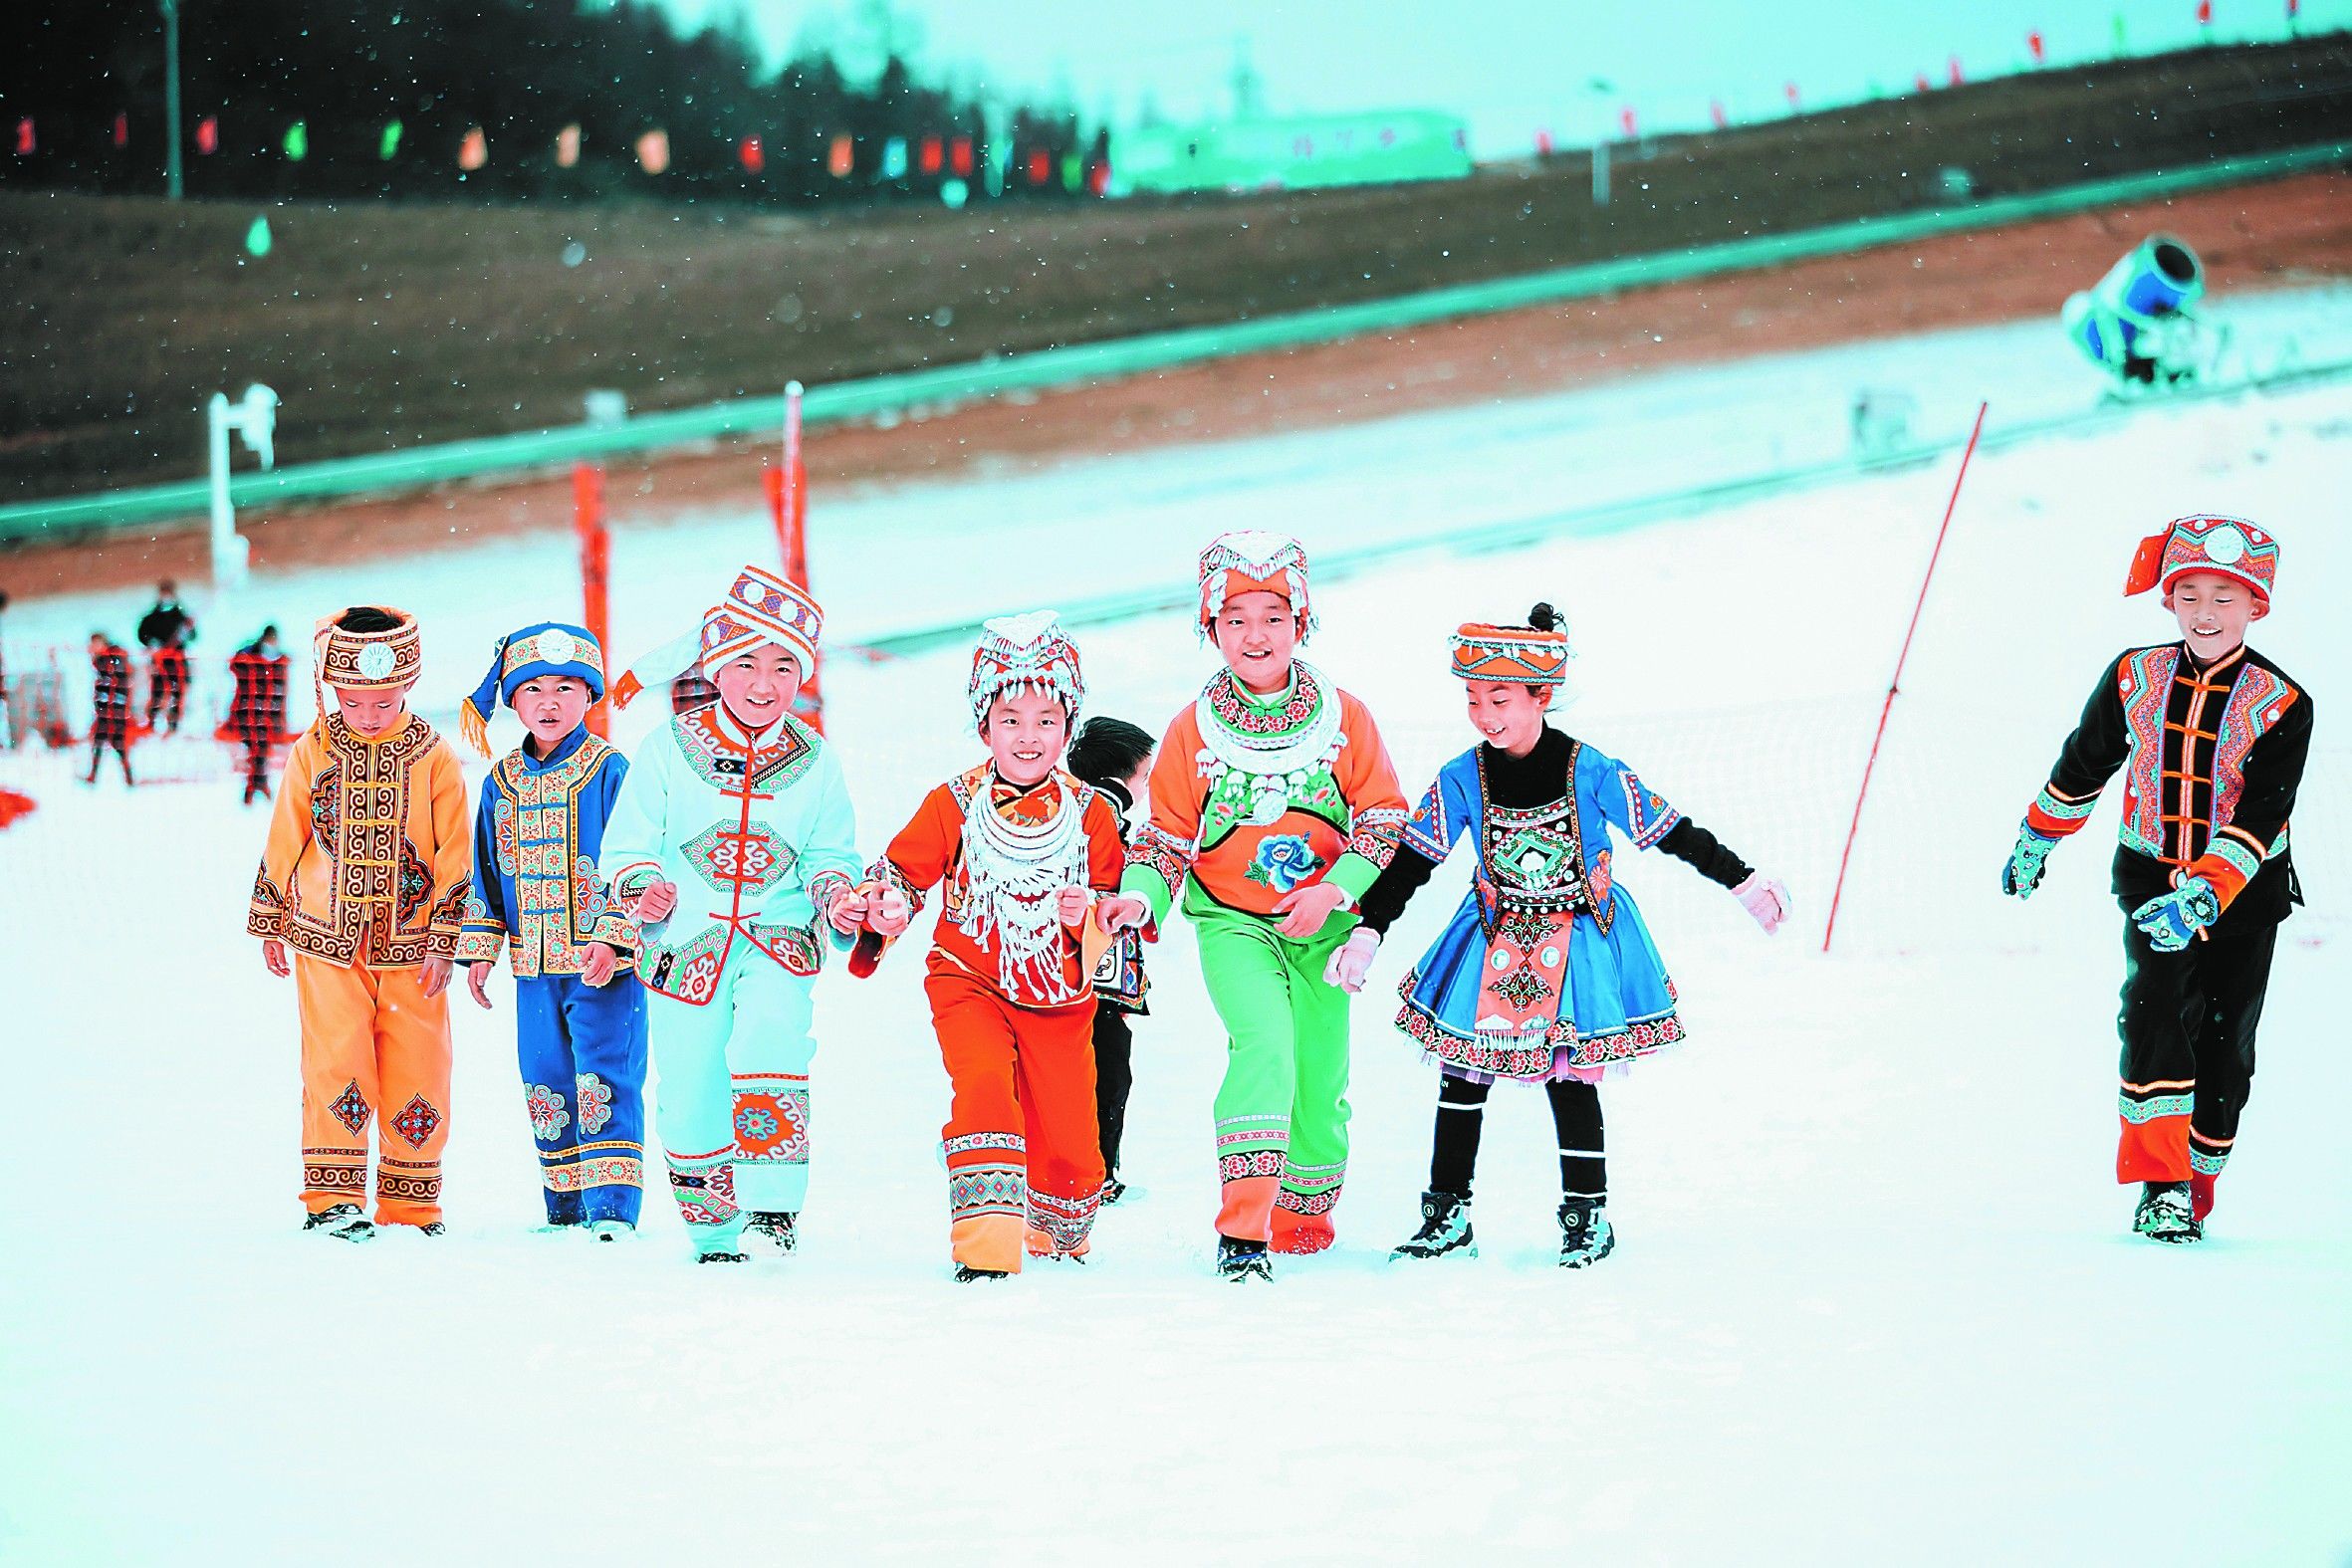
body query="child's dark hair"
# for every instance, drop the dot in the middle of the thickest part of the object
(367, 618)
(1543, 618)
(1108, 750)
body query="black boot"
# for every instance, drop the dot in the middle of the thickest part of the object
(966, 1273)
(2163, 1214)
(1445, 1227)
(770, 1231)
(1584, 1232)
(1238, 1260)
(343, 1222)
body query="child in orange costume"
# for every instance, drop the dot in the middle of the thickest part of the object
(1020, 847)
(366, 875)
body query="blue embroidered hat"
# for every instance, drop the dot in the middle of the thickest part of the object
(549, 648)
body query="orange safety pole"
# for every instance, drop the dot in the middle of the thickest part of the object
(595, 562)
(1895, 684)
(788, 509)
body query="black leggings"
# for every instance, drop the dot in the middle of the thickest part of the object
(1461, 1114)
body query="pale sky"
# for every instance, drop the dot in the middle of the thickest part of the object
(1507, 67)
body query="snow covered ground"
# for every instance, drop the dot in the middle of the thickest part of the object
(1875, 1298)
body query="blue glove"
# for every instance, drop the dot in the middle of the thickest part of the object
(2172, 921)
(2022, 874)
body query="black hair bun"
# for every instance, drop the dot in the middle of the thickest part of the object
(1544, 618)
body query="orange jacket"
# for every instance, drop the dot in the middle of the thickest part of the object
(370, 857)
(1247, 839)
(931, 851)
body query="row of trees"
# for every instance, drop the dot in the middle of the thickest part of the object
(388, 93)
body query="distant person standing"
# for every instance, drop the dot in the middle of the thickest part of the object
(166, 632)
(110, 723)
(257, 712)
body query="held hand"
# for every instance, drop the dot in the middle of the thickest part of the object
(1765, 901)
(273, 957)
(888, 914)
(2175, 920)
(1117, 913)
(603, 960)
(1352, 959)
(657, 902)
(1070, 904)
(2022, 874)
(846, 912)
(1305, 909)
(477, 975)
(433, 977)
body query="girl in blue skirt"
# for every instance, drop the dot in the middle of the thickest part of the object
(1546, 974)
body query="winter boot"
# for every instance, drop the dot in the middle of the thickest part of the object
(610, 1229)
(1113, 1190)
(721, 1257)
(967, 1274)
(343, 1222)
(1445, 1227)
(1584, 1233)
(2163, 1214)
(1238, 1260)
(770, 1231)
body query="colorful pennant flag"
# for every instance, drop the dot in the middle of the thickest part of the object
(654, 152)
(208, 134)
(474, 151)
(25, 144)
(122, 131)
(841, 158)
(754, 156)
(257, 238)
(894, 158)
(933, 155)
(568, 147)
(298, 141)
(388, 145)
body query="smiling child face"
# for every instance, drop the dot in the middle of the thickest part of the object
(2213, 613)
(1506, 714)
(1025, 732)
(757, 687)
(1257, 632)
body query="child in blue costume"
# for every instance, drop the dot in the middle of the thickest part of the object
(1546, 974)
(579, 1014)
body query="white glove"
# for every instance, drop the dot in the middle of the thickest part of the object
(1352, 959)
(1765, 901)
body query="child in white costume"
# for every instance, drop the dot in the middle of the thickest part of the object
(731, 844)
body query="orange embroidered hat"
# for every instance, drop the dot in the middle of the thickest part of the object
(2231, 546)
(1255, 561)
(1510, 653)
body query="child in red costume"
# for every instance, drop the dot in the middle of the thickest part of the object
(1020, 848)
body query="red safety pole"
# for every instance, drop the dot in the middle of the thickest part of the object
(788, 509)
(595, 561)
(1894, 685)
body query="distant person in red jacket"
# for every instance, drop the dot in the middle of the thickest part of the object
(166, 630)
(257, 712)
(110, 723)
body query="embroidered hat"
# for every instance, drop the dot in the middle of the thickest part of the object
(1028, 652)
(2231, 546)
(549, 648)
(365, 661)
(760, 608)
(1253, 561)
(1519, 654)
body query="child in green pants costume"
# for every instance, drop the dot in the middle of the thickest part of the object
(1274, 806)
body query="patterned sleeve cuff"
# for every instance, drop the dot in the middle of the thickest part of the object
(1378, 830)
(1145, 881)
(1156, 864)
(2229, 863)
(824, 888)
(439, 944)
(479, 945)
(884, 872)
(448, 917)
(1647, 815)
(265, 916)
(618, 933)
(628, 883)
(2055, 816)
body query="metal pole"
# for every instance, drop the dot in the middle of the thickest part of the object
(171, 164)
(224, 522)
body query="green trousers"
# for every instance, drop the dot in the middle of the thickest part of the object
(1281, 1111)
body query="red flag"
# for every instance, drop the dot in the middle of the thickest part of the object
(2034, 45)
(960, 156)
(1041, 167)
(1542, 143)
(2205, 13)
(208, 134)
(754, 156)
(1923, 83)
(1715, 111)
(1790, 90)
(1625, 118)
(122, 131)
(1958, 77)
(24, 138)
(1098, 179)
(931, 156)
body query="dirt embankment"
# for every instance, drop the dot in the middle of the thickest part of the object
(2252, 237)
(384, 325)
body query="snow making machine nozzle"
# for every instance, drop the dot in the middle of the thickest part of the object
(2139, 323)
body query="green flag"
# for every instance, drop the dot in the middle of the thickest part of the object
(298, 141)
(257, 238)
(390, 143)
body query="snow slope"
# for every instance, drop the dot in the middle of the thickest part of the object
(1874, 1299)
